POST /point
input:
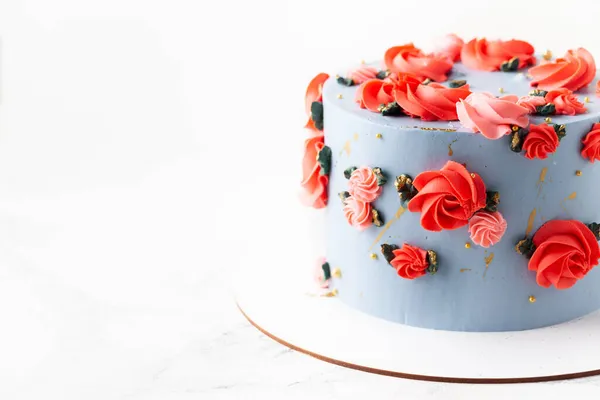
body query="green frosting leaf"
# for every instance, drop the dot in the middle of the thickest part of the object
(525, 247)
(343, 196)
(326, 271)
(538, 92)
(381, 179)
(492, 201)
(561, 131)
(345, 81)
(547, 109)
(405, 188)
(517, 139)
(432, 259)
(595, 228)
(388, 251)
(510, 66)
(316, 114)
(377, 219)
(324, 160)
(382, 74)
(348, 172)
(390, 110)
(457, 83)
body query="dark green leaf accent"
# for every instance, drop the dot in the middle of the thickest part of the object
(382, 74)
(561, 131)
(345, 81)
(547, 109)
(405, 188)
(517, 139)
(390, 110)
(388, 251)
(326, 271)
(525, 247)
(324, 160)
(316, 114)
(457, 83)
(492, 200)
(343, 196)
(348, 172)
(377, 219)
(595, 228)
(510, 66)
(432, 259)
(381, 179)
(538, 92)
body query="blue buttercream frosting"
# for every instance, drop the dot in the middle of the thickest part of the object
(475, 289)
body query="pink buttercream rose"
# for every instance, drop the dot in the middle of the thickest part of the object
(491, 116)
(450, 47)
(363, 185)
(487, 228)
(565, 102)
(531, 103)
(362, 74)
(358, 213)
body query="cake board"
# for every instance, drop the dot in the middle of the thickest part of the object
(327, 329)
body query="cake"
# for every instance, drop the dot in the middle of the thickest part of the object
(459, 187)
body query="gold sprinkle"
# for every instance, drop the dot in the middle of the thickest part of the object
(339, 96)
(379, 136)
(578, 173)
(355, 137)
(501, 90)
(362, 61)
(337, 273)
(467, 245)
(547, 55)
(347, 148)
(532, 299)
(488, 260)
(586, 99)
(515, 128)
(465, 269)
(472, 175)
(548, 120)
(572, 196)
(373, 256)
(337, 76)
(333, 293)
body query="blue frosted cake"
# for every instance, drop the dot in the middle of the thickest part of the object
(459, 186)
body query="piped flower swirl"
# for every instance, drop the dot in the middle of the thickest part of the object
(362, 74)
(491, 116)
(591, 144)
(447, 198)
(531, 103)
(565, 102)
(314, 93)
(410, 59)
(358, 213)
(486, 228)
(373, 93)
(540, 141)
(430, 102)
(450, 47)
(489, 55)
(575, 70)
(314, 184)
(363, 185)
(410, 262)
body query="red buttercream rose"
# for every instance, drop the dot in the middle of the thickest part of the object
(314, 92)
(412, 60)
(373, 93)
(313, 183)
(591, 144)
(447, 198)
(540, 141)
(410, 262)
(430, 102)
(362, 185)
(488, 55)
(565, 102)
(574, 71)
(565, 251)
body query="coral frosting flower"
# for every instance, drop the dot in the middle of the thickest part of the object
(430, 102)
(491, 116)
(575, 70)
(565, 251)
(488, 55)
(410, 262)
(531, 103)
(540, 141)
(410, 59)
(358, 213)
(373, 93)
(314, 184)
(362, 74)
(565, 102)
(363, 185)
(486, 228)
(450, 47)
(314, 92)
(447, 198)
(591, 144)
(598, 88)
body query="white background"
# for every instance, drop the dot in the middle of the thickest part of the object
(135, 137)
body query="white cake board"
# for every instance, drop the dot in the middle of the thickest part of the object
(325, 328)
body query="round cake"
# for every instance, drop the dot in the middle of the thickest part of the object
(459, 186)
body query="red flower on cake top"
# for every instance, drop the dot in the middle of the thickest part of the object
(373, 93)
(362, 74)
(491, 116)
(591, 144)
(314, 92)
(314, 184)
(410, 262)
(489, 55)
(565, 251)
(447, 198)
(565, 102)
(430, 102)
(450, 47)
(410, 59)
(575, 70)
